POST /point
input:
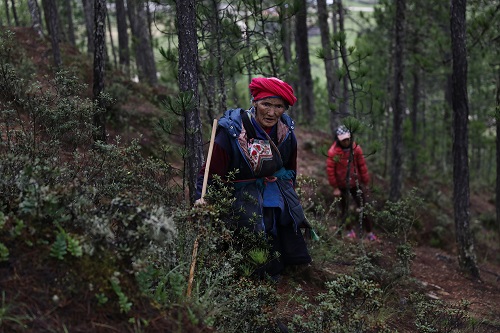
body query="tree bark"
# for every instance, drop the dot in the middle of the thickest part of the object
(219, 58)
(461, 191)
(71, 28)
(306, 95)
(123, 47)
(111, 42)
(14, 13)
(144, 56)
(99, 61)
(344, 103)
(50, 9)
(188, 82)
(88, 9)
(328, 61)
(35, 17)
(398, 104)
(497, 119)
(414, 123)
(6, 3)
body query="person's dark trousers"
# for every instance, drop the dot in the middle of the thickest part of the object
(360, 199)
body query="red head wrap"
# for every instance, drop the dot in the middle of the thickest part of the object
(272, 87)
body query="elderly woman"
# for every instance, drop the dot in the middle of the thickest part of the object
(260, 144)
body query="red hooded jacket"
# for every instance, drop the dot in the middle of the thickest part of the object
(336, 166)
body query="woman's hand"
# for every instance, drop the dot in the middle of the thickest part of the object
(200, 202)
(336, 192)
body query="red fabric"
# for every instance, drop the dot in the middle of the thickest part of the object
(336, 166)
(271, 87)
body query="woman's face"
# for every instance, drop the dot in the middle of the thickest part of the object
(345, 143)
(268, 111)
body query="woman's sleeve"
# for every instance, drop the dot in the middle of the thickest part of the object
(219, 163)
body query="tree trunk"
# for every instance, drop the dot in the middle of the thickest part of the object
(461, 194)
(447, 124)
(113, 51)
(344, 103)
(99, 60)
(14, 13)
(150, 22)
(399, 105)
(49, 6)
(414, 123)
(144, 56)
(88, 9)
(285, 35)
(497, 119)
(6, 3)
(219, 58)
(35, 17)
(336, 67)
(188, 83)
(71, 28)
(123, 47)
(306, 95)
(328, 60)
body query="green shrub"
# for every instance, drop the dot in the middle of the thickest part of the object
(348, 305)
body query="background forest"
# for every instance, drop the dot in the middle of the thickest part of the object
(105, 113)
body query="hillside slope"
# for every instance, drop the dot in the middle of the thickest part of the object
(434, 269)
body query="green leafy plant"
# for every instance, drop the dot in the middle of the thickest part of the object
(347, 306)
(123, 301)
(436, 316)
(4, 252)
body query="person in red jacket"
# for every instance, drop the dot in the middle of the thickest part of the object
(348, 175)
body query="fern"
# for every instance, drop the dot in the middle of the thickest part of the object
(59, 248)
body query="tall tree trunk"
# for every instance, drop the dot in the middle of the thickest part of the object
(14, 13)
(99, 61)
(447, 123)
(150, 22)
(399, 104)
(188, 82)
(414, 122)
(71, 28)
(123, 47)
(344, 103)
(461, 191)
(285, 35)
(144, 56)
(35, 17)
(50, 9)
(219, 58)
(306, 94)
(328, 60)
(88, 9)
(336, 67)
(6, 3)
(113, 51)
(497, 119)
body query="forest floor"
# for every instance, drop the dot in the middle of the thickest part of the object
(436, 269)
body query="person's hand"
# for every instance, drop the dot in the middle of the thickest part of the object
(336, 192)
(200, 202)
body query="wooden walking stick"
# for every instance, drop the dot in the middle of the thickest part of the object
(203, 191)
